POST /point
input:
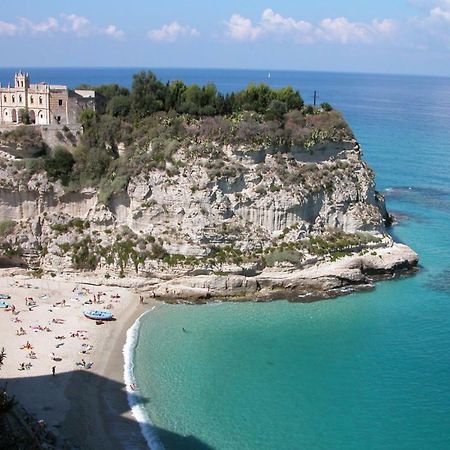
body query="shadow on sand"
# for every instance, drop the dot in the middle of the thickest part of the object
(99, 416)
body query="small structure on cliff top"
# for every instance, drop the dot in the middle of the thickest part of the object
(44, 104)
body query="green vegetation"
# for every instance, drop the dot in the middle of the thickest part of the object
(24, 142)
(2, 356)
(10, 250)
(77, 223)
(59, 165)
(281, 255)
(149, 95)
(143, 128)
(6, 228)
(337, 244)
(131, 250)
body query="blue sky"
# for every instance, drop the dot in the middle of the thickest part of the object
(383, 36)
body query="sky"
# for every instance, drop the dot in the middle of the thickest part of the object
(376, 36)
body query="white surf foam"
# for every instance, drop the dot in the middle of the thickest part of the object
(138, 411)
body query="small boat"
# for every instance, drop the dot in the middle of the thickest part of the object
(5, 296)
(3, 304)
(98, 315)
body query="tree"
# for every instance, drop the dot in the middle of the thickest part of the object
(291, 98)
(255, 98)
(110, 91)
(25, 116)
(174, 95)
(119, 106)
(106, 90)
(87, 118)
(148, 94)
(59, 165)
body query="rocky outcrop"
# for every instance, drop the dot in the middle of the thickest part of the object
(317, 281)
(221, 221)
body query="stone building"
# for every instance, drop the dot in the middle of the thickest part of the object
(46, 104)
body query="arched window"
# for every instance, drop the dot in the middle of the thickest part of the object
(20, 99)
(13, 99)
(40, 100)
(31, 100)
(4, 98)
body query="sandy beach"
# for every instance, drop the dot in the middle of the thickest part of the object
(85, 401)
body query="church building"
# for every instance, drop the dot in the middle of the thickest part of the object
(46, 104)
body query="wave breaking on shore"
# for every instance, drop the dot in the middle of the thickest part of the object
(138, 410)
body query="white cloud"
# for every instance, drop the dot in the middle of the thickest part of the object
(46, 26)
(272, 21)
(69, 23)
(114, 32)
(242, 29)
(8, 29)
(439, 14)
(343, 31)
(79, 25)
(340, 29)
(171, 32)
(434, 27)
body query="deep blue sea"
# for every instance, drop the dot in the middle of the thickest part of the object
(366, 371)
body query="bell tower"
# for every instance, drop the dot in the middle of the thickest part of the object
(21, 86)
(21, 81)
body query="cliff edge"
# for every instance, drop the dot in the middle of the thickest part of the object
(195, 208)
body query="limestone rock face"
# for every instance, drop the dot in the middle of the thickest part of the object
(323, 280)
(239, 197)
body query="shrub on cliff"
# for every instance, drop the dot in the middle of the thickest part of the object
(6, 227)
(119, 106)
(24, 142)
(59, 165)
(282, 255)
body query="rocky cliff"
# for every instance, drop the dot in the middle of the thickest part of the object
(215, 220)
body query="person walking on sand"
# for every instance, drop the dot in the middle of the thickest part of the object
(53, 370)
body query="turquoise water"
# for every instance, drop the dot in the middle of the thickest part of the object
(370, 370)
(366, 371)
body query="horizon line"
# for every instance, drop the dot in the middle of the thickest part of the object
(404, 74)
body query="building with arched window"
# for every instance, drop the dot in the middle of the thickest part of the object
(46, 104)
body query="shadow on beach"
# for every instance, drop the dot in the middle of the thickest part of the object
(98, 414)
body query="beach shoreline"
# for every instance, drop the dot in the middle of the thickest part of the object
(85, 409)
(106, 404)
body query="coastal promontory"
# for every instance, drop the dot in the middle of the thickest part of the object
(192, 195)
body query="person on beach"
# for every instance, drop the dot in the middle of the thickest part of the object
(141, 299)
(53, 370)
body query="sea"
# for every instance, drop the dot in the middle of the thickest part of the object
(370, 370)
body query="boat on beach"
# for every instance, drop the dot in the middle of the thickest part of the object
(4, 304)
(98, 315)
(4, 297)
